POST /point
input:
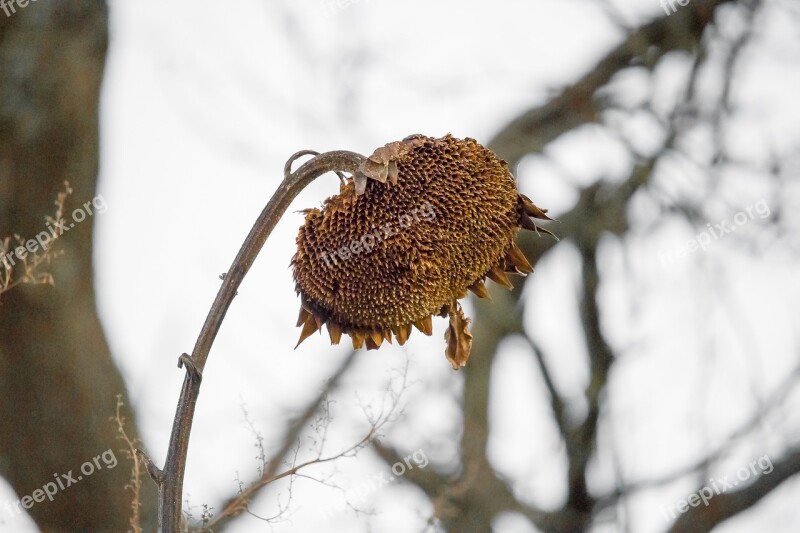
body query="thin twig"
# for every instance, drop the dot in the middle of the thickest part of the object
(240, 503)
(30, 262)
(135, 485)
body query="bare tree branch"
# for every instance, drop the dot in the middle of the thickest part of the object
(723, 506)
(576, 105)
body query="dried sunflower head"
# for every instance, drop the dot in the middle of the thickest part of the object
(422, 221)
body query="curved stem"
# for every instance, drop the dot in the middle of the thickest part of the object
(171, 478)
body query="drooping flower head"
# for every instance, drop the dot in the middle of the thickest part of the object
(421, 222)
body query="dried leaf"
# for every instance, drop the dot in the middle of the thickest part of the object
(381, 165)
(360, 181)
(458, 337)
(374, 169)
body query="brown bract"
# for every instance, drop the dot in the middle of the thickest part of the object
(421, 222)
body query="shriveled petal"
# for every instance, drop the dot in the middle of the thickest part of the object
(309, 326)
(497, 275)
(532, 209)
(358, 339)
(335, 332)
(402, 333)
(303, 316)
(480, 290)
(516, 258)
(376, 337)
(425, 325)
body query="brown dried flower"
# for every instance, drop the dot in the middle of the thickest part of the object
(421, 222)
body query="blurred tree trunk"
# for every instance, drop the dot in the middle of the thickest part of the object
(58, 383)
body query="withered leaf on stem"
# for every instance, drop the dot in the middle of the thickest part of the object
(458, 337)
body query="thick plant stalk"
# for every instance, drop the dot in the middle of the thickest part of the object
(170, 479)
